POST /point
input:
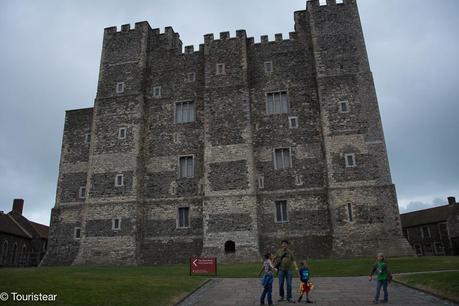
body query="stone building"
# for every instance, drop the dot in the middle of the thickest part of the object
(22, 242)
(225, 150)
(433, 231)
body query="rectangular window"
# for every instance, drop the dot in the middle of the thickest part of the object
(261, 182)
(87, 138)
(116, 224)
(281, 211)
(298, 180)
(343, 106)
(349, 211)
(82, 192)
(439, 249)
(77, 233)
(183, 217)
(276, 103)
(350, 160)
(186, 166)
(268, 67)
(425, 232)
(122, 132)
(120, 87)
(443, 231)
(191, 76)
(322, 2)
(339, 1)
(119, 180)
(220, 68)
(184, 112)
(282, 159)
(293, 122)
(157, 91)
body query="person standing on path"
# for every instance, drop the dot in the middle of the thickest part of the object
(267, 281)
(383, 276)
(285, 262)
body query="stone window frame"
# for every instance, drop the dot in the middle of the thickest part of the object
(322, 2)
(266, 65)
(23, 252)
(261, 182)
(77, 233)
(350, 213)
(122, 180)
(87, 138)
(220, 69)
(120, 87)
(14, 253)
(81, 194)
(156, 92)
(114, 228)
(122, 132)
(444, 233)
(346, 160)
(407, 231)
(341, 108)
(299, 181)
(179, 172)
(286, 220)
(191, 77)
(177, 224)
(273, 92)
(275, 161)
(339, 1)
(417, 247)
(292, 119)
(189, 101)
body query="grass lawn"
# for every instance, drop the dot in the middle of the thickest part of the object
(162, 285)
(444, 284)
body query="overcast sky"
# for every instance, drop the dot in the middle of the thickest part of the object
(49, 62)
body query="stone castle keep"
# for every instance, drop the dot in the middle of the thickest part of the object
(226, 150)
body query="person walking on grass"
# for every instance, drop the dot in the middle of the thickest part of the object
(383, 276)
(267, 281)
(285, 262)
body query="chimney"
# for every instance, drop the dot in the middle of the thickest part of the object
(18, 205)
(451, 200)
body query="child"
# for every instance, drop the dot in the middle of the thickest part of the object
(305, 283)
(267, 280)
(383, 276)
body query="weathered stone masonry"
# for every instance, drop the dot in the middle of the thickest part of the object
(145, 181)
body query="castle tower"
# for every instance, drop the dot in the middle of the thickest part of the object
(361, 196)
(226, 150)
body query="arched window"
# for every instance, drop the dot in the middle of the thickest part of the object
(4, 256)
(230, 247)
(14, 253)
(24, 255)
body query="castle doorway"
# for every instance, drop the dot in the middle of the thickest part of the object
(230, 247)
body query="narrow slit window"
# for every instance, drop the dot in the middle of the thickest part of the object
(268, 67)
(350, 160)
(183, 217)
(87, 138)
(281, 211)
(191, 77)
(293, 122)
(116, 223)
(343, 106)
(82, 192)
(261, 182)
(349, 212)
(122, 132)
(220, 69)
(298, 180)
(77, 233)
(120, 87)
(119, 180)
(157, 91)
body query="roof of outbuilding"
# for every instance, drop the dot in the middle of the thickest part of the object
(426, 216)
(9, 226)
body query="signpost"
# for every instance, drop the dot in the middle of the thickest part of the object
(203, 266)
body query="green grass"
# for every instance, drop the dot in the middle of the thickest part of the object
(445, 284)
(162, 285)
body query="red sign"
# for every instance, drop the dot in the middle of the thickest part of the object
(203, 265)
